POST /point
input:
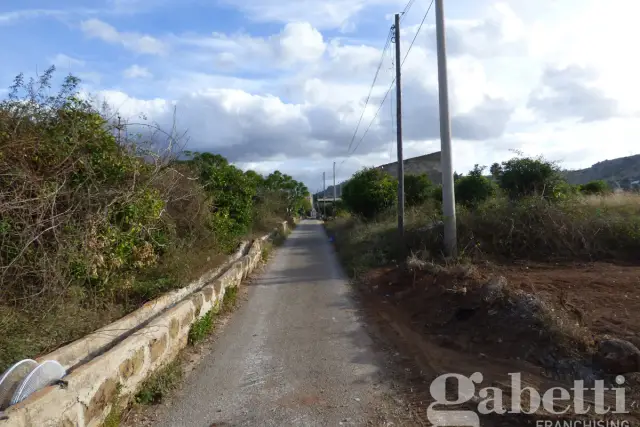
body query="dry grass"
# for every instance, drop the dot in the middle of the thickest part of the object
(591, 228)
(621, 199)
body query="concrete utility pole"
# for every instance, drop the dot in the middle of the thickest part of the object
(448, 195)
(334, 186)
(324, 195)
(399, 129)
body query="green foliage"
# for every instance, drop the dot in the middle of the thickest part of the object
(155, 388)
(437, 193)
(369, 192)
(522, 177)
(232, 192)
(598, 187)
(230, 298)
(201, 328)
(474, 188)
(417, 189)
(97, 222)
(336, 209)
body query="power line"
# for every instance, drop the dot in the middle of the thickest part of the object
(375, 77)
(406, 9)
(392, 83)
(417, 32)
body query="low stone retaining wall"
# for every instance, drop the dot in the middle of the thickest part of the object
(97, 342)
(91, 388)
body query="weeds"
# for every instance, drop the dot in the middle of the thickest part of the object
(201, 328)
(230, 298)
(115, 414)
(160, 384)
(266, 250)
(588, 229)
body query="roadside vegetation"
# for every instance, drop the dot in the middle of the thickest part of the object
(523, 210)
(98, 216)
(546, 271)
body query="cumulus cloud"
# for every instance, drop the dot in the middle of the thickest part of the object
(137, 72)
(569, 92)
(140, 43)
(298, 43)
(291, 100)
(320, 13)
(500, 32)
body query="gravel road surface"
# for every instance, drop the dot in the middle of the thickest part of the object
(295, 354)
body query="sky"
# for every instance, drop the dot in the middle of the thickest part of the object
(281, 84)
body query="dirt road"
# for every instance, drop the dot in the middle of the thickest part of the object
(295, 354)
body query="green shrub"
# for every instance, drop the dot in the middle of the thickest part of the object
(474, 188)
(369, 192)
(97, 222)
(437, 193)
(417, 189)
(523, 177)
(598, 187)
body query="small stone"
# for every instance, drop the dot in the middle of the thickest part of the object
(618, 356)
(494, 289)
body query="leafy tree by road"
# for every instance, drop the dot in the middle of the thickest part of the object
(369, 192)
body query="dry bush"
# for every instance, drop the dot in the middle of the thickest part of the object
(82, 214)
(533, 228)
(96, 219)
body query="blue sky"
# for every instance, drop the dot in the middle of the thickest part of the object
(281, 84)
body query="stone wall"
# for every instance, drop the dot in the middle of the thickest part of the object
(101, 340)
(91, 388)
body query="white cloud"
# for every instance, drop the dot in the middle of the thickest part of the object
(140, 43)
(291, 100)
(18, 15)
(322, 14)
(137, 72)
(67, 62)
(298, 43)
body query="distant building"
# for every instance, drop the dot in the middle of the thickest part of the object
(429, 164)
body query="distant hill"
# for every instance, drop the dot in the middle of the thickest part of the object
(623, 172)
(429, 164)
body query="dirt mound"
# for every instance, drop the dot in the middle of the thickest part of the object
(503, 319)
(553, 316)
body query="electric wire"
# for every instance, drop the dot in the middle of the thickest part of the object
(366, 102)
(391, 85)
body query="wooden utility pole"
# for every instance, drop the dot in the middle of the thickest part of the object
(446, 158)
(399, 128)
